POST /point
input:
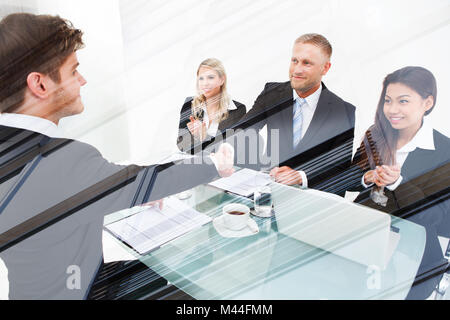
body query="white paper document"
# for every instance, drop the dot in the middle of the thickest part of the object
(244, 182)
(151, 228)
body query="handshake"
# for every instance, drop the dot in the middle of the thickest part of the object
(223, 159)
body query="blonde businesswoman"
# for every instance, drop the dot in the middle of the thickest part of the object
(211, 112)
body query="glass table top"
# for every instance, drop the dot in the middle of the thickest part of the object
(316, 246)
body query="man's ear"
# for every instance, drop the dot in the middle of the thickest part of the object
(326, 67)
(38, 85)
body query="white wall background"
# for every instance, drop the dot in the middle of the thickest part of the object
(141, 57)
(164, 41)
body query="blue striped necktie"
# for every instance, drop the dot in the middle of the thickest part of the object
(298, 121)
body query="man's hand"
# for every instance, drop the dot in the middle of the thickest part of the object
(224, 160)
(197, 128)
(286, 175)
(382, 175)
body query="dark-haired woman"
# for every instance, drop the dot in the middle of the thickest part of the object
(405, 164)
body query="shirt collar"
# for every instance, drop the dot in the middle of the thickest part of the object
(312, 99)
(31, 123)
(423, 139)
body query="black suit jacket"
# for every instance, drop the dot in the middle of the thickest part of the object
(425, 173)
(185, 140)
(423, 198)
(331, 126)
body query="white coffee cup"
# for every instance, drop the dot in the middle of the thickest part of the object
(235, 221)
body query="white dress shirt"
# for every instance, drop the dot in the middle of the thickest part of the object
(308, 109)
(36, 124)
(423, 140)
(214, 126)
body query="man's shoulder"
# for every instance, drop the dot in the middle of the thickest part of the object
(273, 92)
(64, 154)
(82, 162)
(23, 139)
(277, 86)
(334, 99)
(240, 106)
(83, 147)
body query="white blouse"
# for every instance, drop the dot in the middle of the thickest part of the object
(214, 126)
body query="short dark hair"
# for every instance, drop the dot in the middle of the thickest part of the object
(32, 43)
(318, 40)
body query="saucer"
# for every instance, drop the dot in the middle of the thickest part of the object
(227, 233)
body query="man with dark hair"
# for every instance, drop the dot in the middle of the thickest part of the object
(54, 192)
(33, 45)
(310, 120)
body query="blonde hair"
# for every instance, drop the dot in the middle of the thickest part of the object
(224, 99)
(318, 40)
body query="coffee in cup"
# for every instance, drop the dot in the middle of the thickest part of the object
(238, 213)
(235, 216)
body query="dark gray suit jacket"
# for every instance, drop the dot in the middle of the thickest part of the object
(332, 125)
(39, 267)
